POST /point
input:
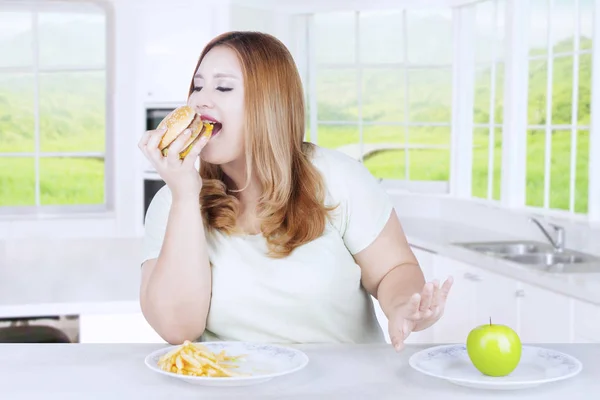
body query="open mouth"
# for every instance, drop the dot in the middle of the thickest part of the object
(211, 126)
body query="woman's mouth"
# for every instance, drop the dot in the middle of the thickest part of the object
(217, 128)
(216, 125)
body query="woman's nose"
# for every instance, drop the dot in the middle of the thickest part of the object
(201, 100)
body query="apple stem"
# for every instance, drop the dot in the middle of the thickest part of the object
(490, 320)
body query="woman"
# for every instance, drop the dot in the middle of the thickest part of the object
(275, 240)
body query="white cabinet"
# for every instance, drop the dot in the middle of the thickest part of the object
(586, 322)
(536, 314)
(475, 297)
(496, 298)
(458, 318)
(545, 317)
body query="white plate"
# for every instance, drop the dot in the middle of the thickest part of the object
(262, 361)
(537, 366)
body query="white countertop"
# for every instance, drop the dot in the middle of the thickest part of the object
(101, 275)
(89, 371)
(439, 237)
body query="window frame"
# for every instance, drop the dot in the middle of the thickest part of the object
(38, 210)
(515, 119)
(550, 58)
(405, 67)
(515, 107)
(492, 125)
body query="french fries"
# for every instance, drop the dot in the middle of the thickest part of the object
(194, 359)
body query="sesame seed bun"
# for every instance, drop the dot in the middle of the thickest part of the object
(179, 120)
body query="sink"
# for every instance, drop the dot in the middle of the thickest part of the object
(546, 258)
(537, 255)
(508, 248)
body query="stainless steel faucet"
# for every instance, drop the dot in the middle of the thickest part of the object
(559, 243)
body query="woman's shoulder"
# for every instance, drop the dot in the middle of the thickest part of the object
(321, 154)
(338, 168)
(334, 162)
(365, 205)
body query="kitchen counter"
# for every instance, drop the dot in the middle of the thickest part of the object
(94, 371)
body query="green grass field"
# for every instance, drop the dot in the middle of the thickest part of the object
(72, 120)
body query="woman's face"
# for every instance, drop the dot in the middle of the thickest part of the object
(219, 93)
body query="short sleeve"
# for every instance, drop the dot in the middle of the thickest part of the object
(155, 224)
(365, 205)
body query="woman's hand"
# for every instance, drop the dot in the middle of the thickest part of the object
(420, 312)
(181, 176)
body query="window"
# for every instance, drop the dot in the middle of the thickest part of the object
(53, 96)
(488, 98)
(558, 126)
(381, 89)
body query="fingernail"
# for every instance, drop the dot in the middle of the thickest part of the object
(187, 132)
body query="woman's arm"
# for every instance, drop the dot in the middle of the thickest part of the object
(391, 273)
(176, 287)
(390, 270)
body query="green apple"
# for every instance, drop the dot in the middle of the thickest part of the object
(495, 350)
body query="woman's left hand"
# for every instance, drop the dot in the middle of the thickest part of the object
(420, 312)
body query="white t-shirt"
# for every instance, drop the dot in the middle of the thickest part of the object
(312, 296)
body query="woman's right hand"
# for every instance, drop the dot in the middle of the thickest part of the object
(181, 176)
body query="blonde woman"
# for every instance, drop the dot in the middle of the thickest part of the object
(274, 240)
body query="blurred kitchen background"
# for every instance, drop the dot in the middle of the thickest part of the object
(476, 115)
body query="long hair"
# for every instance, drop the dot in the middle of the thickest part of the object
(291, 208)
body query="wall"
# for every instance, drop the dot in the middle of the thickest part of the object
(252, 19)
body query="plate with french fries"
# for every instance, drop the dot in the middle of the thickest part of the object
(226, 363)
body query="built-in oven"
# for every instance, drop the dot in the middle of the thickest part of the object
(152, 181)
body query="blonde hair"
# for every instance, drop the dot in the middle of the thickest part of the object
(291, 208)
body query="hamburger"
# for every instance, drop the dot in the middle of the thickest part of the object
(179, 120)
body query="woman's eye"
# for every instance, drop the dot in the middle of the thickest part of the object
(224, 89)
(197, 88)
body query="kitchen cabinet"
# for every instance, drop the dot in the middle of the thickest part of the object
(497, 298)
(586, 322)
(545, 316)
(536, 314)
(459, 314)
(476, 296)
